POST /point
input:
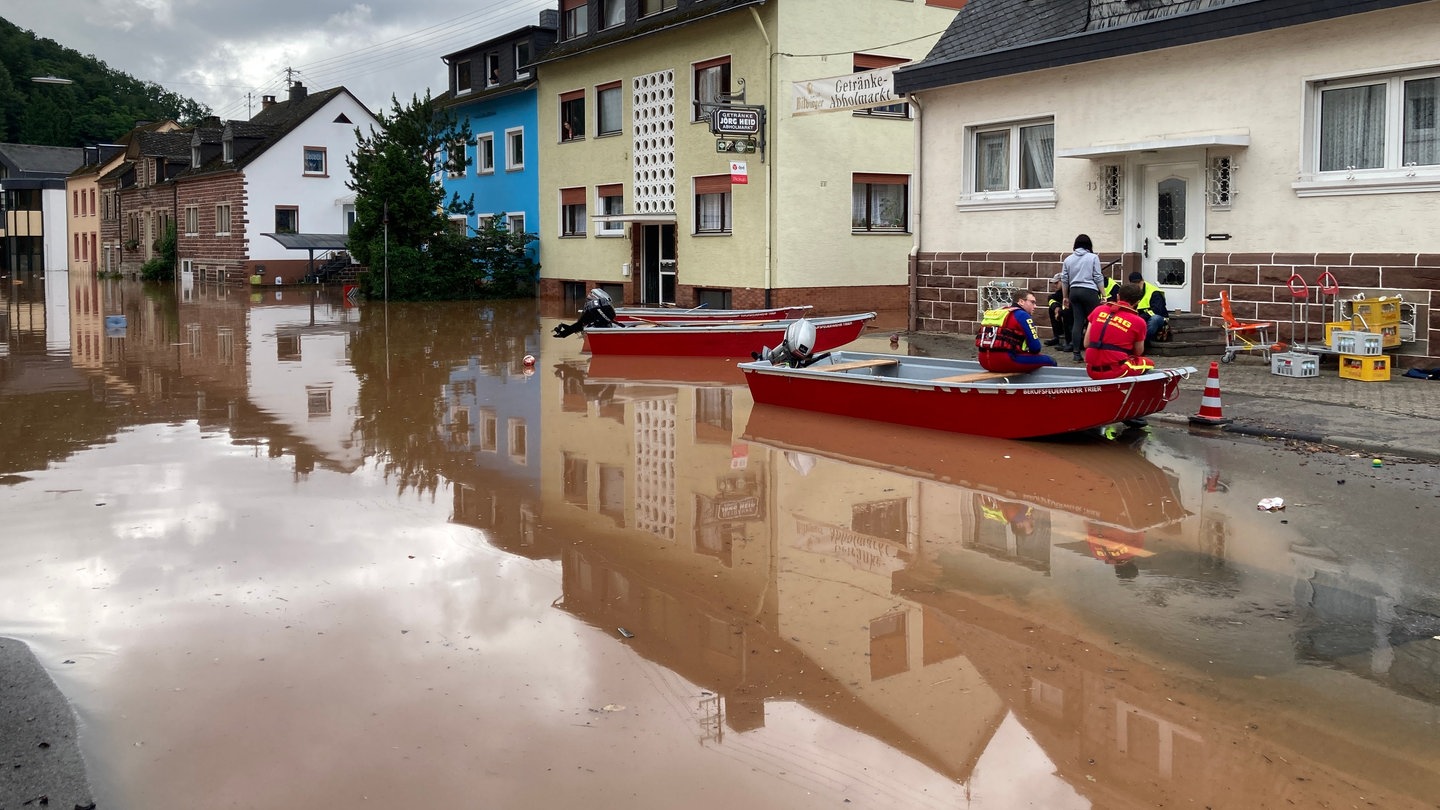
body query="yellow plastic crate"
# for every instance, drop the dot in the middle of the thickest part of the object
(1389, 335)
(1376, 312)
(1364, 368)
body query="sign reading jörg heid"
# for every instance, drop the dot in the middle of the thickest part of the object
(735, 120)
(853, 91)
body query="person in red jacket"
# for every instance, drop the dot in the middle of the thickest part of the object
(1115, 339)
(1007, 341)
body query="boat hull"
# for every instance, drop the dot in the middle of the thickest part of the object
(914, 392)
(656, 315)
(720, 340)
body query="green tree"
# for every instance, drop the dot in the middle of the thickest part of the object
(161, 266)
(510, 272)
(402, 228)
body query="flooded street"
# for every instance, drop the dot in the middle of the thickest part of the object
(280, 551)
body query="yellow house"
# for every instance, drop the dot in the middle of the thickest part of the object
(644, 191)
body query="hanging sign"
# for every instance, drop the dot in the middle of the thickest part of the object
(853, 91)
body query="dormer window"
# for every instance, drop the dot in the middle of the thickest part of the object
(462, 76)
(522, 60)
(194, 155)
(492, 70)
(227, 148)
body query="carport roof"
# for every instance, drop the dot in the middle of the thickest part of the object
(311, 241)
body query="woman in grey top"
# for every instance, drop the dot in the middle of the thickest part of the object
(1081, 281)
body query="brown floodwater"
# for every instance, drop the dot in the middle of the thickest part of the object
(280, 551)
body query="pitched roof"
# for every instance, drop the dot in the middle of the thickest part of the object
(265, 129)
(990, 38)
(595, 40)
(40, 161)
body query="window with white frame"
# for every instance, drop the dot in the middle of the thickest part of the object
(879, 203)
(222, 219)
(514, 149)
(1010, 165)
(1379, 131)
(192, 220)
(711, 80)
(455, 159)
(516, 222)
(485, 153)
(712, 204)
(572, 115)
(458, 225)
(492, 70)
(462, 76)
(607, 109)
(315, 160)
(572, 211)
(574, 18)
(611, 199)
(522, 60)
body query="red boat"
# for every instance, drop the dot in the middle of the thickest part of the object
(735, 340)
(699, 315)
(959, 396)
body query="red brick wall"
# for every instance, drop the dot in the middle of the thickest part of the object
(215, 257)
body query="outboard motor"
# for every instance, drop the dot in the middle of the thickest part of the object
(795, 350)
(598, 313)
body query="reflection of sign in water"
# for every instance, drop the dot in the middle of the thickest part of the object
(859, 550)
(736, 508)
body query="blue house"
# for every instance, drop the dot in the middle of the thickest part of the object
(492, 85)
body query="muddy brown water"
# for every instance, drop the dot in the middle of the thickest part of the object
(283, 552)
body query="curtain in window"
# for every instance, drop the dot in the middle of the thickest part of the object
(992, 165)
(1352, 128)
(1422, 138)
(609, 100)
(614, 12)
(711, 212)
(1037, 156)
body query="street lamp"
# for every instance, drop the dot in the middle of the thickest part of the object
(51, 80)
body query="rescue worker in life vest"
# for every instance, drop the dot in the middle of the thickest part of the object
(1152, 306)
(1007, 340)
(1115, 340)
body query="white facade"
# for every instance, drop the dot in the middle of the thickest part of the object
(278, 178)
(55, 223)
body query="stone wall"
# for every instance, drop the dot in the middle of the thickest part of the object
(947, 289)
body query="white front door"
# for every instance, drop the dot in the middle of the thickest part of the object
(1172, 228)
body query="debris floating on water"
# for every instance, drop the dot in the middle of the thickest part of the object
(1271, 505)
(625, 633)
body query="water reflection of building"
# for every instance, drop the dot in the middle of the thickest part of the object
(935, 593)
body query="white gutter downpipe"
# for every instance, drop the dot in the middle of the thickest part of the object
(916, 209)
(769, 164)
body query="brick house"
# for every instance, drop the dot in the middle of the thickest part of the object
(137, 197)
(282, 172)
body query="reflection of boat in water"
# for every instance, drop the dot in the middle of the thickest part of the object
(1098, 481)
(661, 370)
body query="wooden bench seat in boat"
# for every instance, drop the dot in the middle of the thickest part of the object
(979, 376)
(873, 363)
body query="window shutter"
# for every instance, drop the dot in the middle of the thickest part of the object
(870, 61)
(571, 96)
(713, 184)
(881, 179)
(572, 196)
(610, 190)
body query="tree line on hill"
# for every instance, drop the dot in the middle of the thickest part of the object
(98, 107)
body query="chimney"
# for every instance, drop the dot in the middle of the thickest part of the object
(550, 18)
(266, 102)
(297, 92)
(210, 122)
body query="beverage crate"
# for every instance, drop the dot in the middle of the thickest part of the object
(1294, 364)
(1366, 368)
(1389, 335)
(1376, 312)
(1331, 327)
(1348, 342)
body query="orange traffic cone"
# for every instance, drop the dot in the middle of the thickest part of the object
(1209, 413)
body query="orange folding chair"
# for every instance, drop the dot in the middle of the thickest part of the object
(1242, 336)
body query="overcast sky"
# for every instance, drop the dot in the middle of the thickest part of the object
(217, 51)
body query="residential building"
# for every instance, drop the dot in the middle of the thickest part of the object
(283, 172)
(137, 197)
(492, 86)
(1212, 145)
(638, 197)
(32, 206)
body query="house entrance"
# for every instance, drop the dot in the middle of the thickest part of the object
(1172, 228)
(657, 263)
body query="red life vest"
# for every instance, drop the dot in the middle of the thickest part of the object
(999, 332)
